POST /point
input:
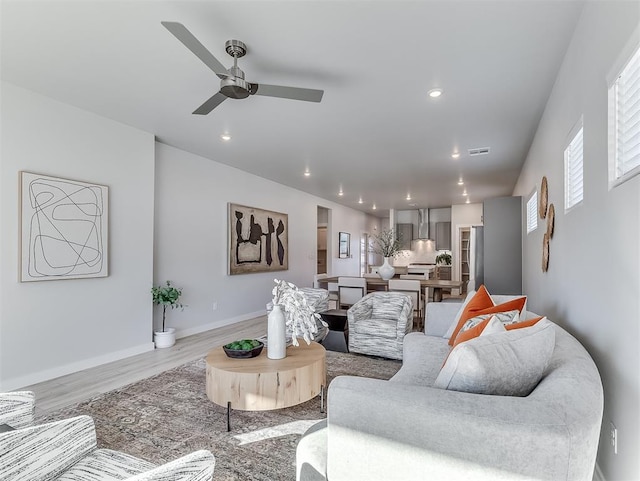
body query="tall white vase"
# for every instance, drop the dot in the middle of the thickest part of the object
(276, 334)
(386, 270)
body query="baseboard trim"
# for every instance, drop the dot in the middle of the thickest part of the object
(213, 325)
(597, 474)
(48, 374)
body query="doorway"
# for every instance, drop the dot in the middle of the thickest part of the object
(322, 229)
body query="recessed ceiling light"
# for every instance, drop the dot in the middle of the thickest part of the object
(468, 201)
(408, 196)
(360, 201)
(465, 193)
(341, 193)
(460, 182)
(435, 93)
(374, 207)
(225, 137)
(455, 155)
(307, 173)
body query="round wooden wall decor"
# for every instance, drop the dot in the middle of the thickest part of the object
(544, 197)
(551, 219)
(545, 252)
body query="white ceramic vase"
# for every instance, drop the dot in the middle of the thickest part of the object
(164, 339)
(386, 270)
(276, 334)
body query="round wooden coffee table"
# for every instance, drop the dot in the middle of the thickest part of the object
(262, 384)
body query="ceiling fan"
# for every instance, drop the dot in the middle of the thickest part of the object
(232, 82)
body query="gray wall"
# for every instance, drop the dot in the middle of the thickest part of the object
(51, 328)
(592, 286)
(503, 245)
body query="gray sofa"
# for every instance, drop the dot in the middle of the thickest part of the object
(405, 428)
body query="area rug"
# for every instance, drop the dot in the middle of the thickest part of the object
(169, 415)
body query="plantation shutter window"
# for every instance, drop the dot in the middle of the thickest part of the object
(573, 171)
(532, 212)
(624, 129)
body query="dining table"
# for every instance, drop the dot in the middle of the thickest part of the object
(376, 283)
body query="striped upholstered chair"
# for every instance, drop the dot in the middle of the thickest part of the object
(66, 450)
(17, 408)
(378, 323)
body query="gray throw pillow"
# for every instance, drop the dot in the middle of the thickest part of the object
(510, 363)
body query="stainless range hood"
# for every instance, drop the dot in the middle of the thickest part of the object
(423, 224)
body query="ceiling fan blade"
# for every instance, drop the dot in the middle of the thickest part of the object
(192, 43)
(295, 93)
(210, 104)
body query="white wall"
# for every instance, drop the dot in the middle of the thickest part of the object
(592, 286)
(51, 328)
(190, 246)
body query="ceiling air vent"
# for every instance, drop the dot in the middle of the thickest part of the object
(480, 151)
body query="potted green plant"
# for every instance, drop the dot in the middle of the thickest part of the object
(444, 258)
(166, 296)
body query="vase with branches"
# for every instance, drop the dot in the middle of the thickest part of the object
(387, 243)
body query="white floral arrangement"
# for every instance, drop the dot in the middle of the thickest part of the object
(300, 317)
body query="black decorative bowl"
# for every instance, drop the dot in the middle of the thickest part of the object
(235, 352)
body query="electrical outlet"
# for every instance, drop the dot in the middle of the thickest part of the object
(214, 306)
(614, 438)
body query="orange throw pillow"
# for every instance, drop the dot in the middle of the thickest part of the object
(472, 333)
(520, 325)
(481, 300)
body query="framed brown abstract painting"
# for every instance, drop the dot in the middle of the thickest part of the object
(258, 240)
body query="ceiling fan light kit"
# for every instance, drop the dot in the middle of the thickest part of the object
(232, 81)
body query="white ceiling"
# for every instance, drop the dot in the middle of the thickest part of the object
(376, 134)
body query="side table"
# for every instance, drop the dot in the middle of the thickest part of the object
(262, 384)
(337, 321)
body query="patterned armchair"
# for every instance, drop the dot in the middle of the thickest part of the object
(67, 450)
(17, 408)
(378, 323)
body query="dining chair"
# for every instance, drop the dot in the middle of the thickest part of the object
(411, 287)
(332, 287)
(351, 290)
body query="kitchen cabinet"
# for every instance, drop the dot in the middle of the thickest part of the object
(443, 273)
(443, 236)
(405, 234)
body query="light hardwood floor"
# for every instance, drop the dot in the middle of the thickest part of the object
(83, 385)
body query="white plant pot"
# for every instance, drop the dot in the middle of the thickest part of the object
(386, 270)
(164, 339)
